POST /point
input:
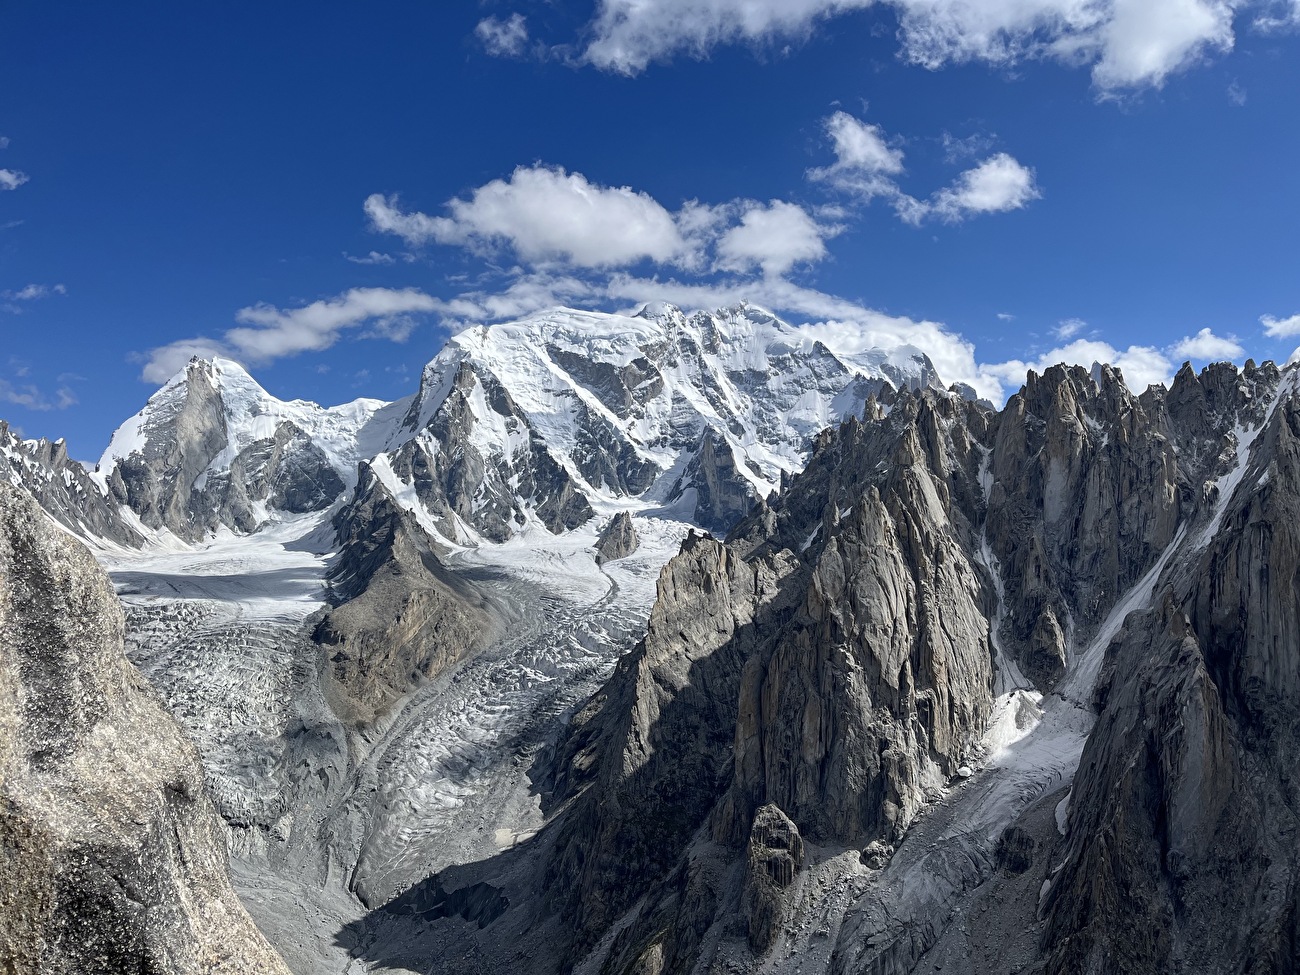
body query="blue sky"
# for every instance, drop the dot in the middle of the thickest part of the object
(324, 190)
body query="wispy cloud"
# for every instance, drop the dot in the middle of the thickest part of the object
(503, 37)
(1069, 328)
(374, 257)
(11, 179)
(267, 333)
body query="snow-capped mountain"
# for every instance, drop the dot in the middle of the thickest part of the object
(547, 418)
(213, 449)
(541, 421)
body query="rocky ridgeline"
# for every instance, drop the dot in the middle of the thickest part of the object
(399, 616)
(827, 675)
(115, 859)
(63, 488)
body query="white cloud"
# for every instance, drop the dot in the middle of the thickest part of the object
(374, 257)
(545, 214)
(33, 292)
(1069, 328)
(1006, 317)
(11, 179)
(997, 185)
(1280, 15)
(165, 361)
(1127, 43)
(4, 142)
(1207, 347)
(1140, 365)
(628, 35)
(1145, 41)
(863, 157)
(270, 333)
(274, 333)
(503, 38)
(955, 149)
(774, 237)
(1280, 328)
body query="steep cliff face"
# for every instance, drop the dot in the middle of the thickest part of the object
(114, 857)
(648, 759)
(618, 539)
(880, 686)
(1181, 851)
(213, 449)
(1084, 497)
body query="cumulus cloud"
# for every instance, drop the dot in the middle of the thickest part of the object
(550, 218)
(1127, 43)
(11, 179)
(628, 35)
(546, 214)
(773, 237)
(864, 158)
(1281, 328)
(1208, 347)
(268, 333)
(997, 185)
(503, 38)
(1141, 365)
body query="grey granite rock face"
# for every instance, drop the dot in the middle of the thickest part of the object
(773, 855)
(156, 481)
(1181, 851)
(401, 617)
(63, 488)
(723, 495)
(859, 700)
(115, 859)
(617, 539)
(453, 478)
(647, 759)
(187, 472)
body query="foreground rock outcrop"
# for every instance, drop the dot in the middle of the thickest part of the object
(113, 857)
(617, 539)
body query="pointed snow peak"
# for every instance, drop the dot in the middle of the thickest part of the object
(659, 311)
